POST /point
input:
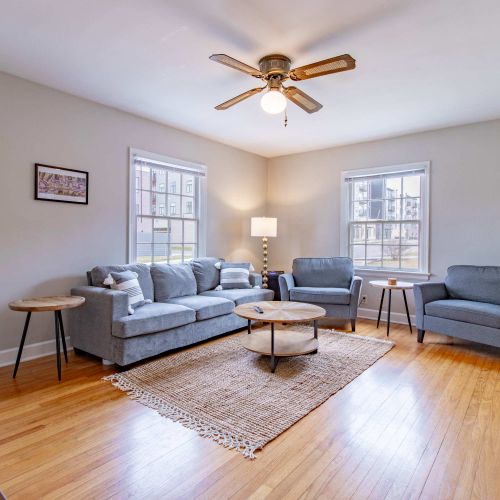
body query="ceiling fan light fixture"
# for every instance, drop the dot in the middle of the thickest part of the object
(273, 102)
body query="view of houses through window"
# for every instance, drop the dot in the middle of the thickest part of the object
(385, 220)
(167, 218)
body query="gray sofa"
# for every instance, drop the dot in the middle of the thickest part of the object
(328, 282)
(466, 305)
(185, 309)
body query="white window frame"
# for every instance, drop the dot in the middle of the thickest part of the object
(201, 206)
(423, 271)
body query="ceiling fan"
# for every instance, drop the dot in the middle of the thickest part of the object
(275, 69)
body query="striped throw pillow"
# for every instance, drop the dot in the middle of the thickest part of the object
(126, 281)
(234, 275)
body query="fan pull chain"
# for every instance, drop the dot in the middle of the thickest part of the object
(285, 122)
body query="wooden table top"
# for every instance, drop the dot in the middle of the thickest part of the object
(400, 285)
(280, 312)
(40, 304)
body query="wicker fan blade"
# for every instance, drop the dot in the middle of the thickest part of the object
(301, 99)
(320, 68)
(239, 98)
(234, 63)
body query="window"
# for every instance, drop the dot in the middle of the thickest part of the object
(166, 225)
(385, 217)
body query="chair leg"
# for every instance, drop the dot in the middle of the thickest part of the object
(420, 336)
(353, 325)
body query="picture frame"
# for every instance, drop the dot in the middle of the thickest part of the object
(64, 185)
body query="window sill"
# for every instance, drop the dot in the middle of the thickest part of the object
(379, 273)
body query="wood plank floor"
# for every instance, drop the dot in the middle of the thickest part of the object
(423, 422)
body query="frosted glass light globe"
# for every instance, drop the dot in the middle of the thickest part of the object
(273, 102)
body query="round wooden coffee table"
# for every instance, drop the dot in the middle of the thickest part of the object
(280, 343)
(41, 304)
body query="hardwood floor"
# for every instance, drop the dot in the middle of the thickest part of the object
(423, 422)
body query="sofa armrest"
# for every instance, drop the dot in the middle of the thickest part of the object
(424, 293)
(90, 325)
(286, 282)
(355, 291)
(255, 279)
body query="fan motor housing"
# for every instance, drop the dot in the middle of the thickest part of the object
(275, 64)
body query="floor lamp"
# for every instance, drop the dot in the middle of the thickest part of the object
(265, 227)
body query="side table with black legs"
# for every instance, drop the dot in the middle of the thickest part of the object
(401, 285)
(42, 304)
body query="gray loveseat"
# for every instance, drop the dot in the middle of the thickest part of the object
(185, 309)
(328, 282)
(466, 305)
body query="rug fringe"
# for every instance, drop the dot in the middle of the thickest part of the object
(227, 440)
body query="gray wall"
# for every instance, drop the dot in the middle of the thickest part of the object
(46, 247)
(304, 193)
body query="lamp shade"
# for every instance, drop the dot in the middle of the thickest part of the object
(264, 226)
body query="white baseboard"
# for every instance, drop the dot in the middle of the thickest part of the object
(395, 317)
(31, 351)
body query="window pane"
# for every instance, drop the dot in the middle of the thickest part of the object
(144, 178)
(144, 200)
(174, 206)
(409, 257)
(392, 209)
(376, 189)
(392, 234)
(190, 231)
(360, 190)
(360, 211)
(374, 255)
(391, 256)
(175, 254)
(160, 231)
(393, 187)
(174, 182)
(175, 231)
(189, 252)
(144, 253)
(158, 179)
(357, 233)
(188, 184)
(187, 207)
(374, 233)
(411, 185)
(409, 234)
(160, 253)
(158, 202)
(375, 209)
(358, 255)
(411, 208)
(144, 230)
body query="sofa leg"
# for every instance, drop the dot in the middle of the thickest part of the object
(420, 336)
(107, 362)
(353, 325)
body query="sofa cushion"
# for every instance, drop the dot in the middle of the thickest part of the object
(172, 280)
(478, 283)
(242, 296)
(154, 317)
(205, 307)
(206, 274)
(127, 282)
(467, 311)
(320, 295)
(234, 275)
(100, 273)
(335, 272)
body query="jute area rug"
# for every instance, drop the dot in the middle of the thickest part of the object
(226, 393)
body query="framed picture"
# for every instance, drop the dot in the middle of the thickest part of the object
(61, 184)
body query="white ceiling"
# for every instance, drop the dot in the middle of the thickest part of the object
(422, 64)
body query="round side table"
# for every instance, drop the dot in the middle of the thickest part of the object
(401, 285)
(41, 304)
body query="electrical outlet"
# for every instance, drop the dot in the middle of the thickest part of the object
(363, 299)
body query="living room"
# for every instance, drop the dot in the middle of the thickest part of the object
(378, 255)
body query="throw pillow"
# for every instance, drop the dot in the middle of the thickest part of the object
(126, 281)
(234, 275)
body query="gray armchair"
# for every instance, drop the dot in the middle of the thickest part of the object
(328, 282)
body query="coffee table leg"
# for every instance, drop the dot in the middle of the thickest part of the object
(58, 350)
(389, 312)
(63, 336)
(249, 327)
(380, 308)
(315, 323)
(21, 345)
(407, 313)
(274, 359)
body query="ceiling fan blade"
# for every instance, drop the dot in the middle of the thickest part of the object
(235, 64)
(320, 68)
(301, 99)
(239, 98)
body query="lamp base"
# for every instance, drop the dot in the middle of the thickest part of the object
(264, 263)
